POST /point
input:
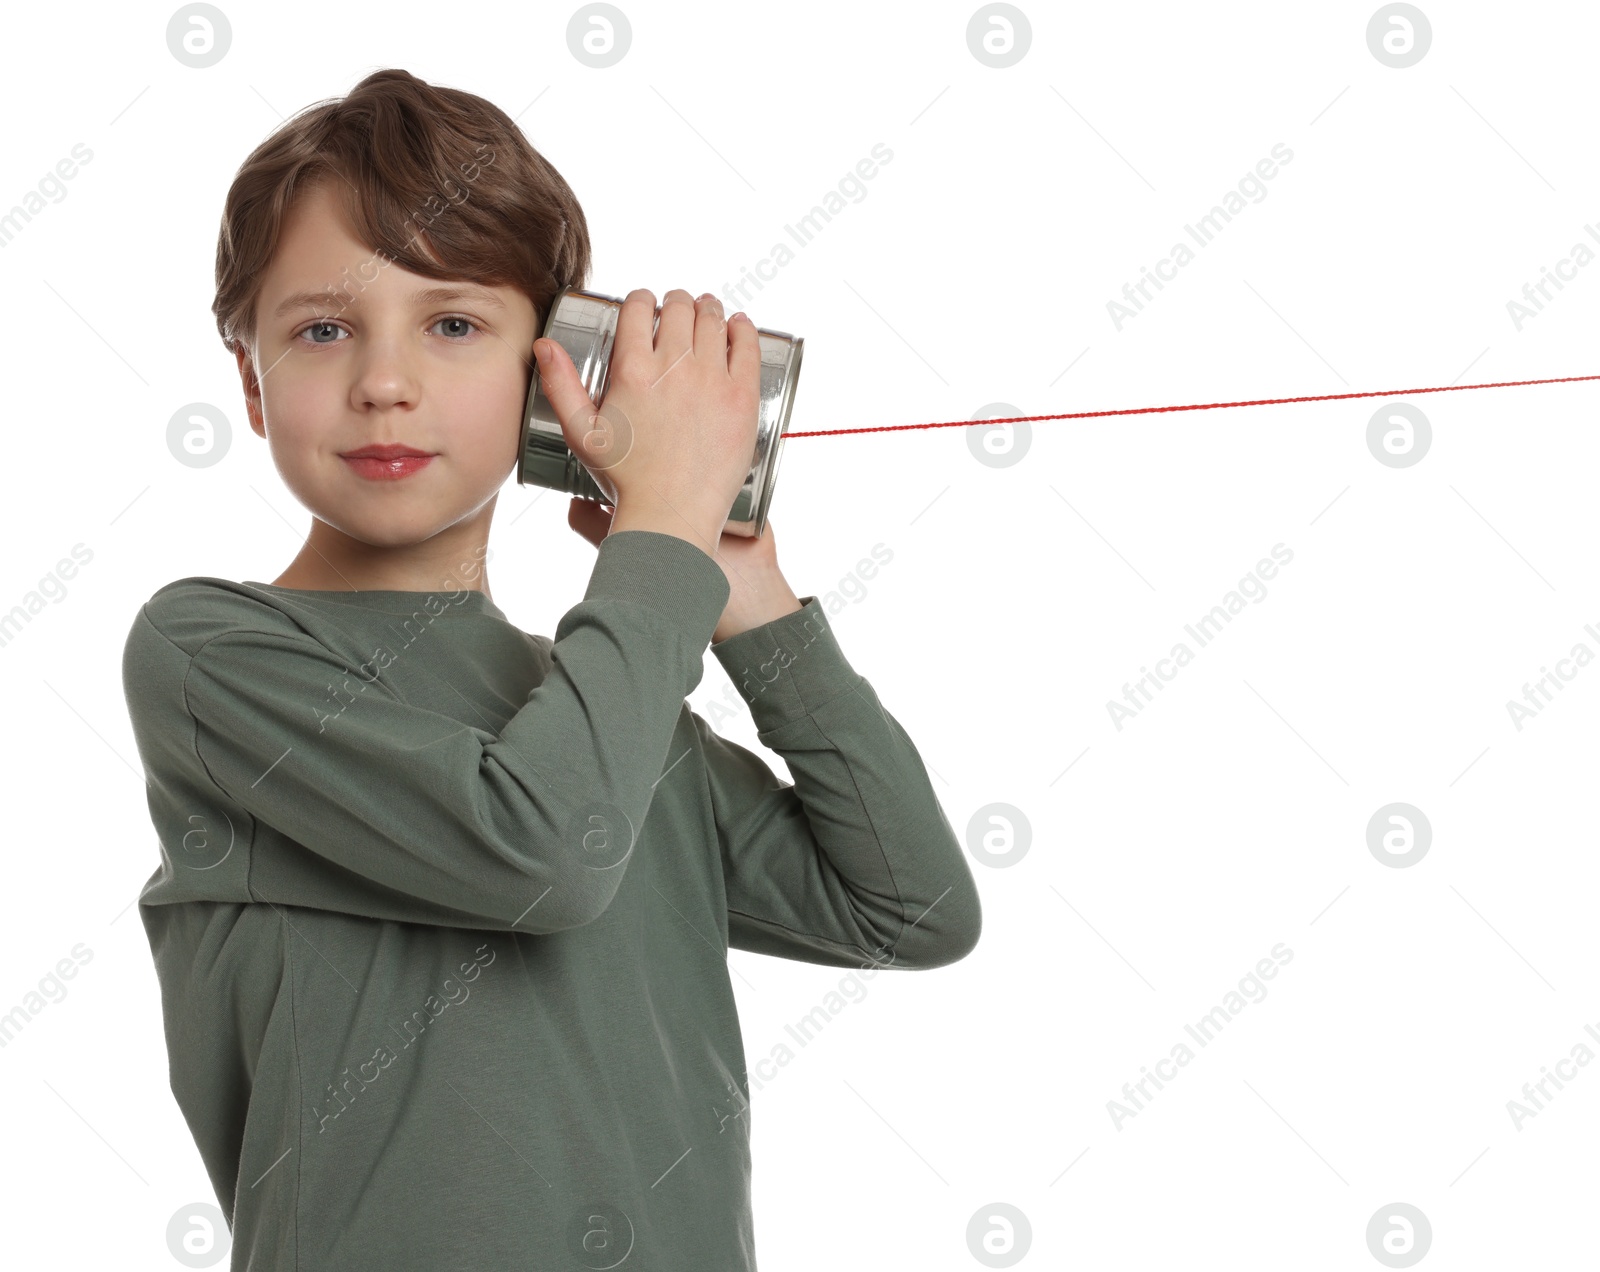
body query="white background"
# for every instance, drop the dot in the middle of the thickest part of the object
(1164, 859)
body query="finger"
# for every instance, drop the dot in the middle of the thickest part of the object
(710, 331)
(744, 350)
(675, 335)
(635, 326)
(582, 517)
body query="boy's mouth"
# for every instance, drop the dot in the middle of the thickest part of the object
(388, 450)
(388, 462)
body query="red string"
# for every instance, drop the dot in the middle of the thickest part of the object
(1199, 406)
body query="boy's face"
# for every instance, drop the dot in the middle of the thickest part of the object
(369, 364)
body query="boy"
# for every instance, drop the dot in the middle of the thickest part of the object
(442, 919)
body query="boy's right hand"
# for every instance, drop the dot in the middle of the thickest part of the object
(675, 433)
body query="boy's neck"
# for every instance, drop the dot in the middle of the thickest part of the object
(331, 561)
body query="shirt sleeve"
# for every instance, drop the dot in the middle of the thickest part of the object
(855, 861)
(398, 812)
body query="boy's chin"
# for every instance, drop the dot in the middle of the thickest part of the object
(391, 528)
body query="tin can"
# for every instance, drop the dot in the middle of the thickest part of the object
(584, 323)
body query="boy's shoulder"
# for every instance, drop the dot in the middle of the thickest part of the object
(170, 629)
(205, 588)
(189, 611)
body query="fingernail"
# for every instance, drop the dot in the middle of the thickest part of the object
(541, 351)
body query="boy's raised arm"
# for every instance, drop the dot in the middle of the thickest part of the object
(398, 812)
(855, 863)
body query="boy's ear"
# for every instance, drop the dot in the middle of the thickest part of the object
(252, 389)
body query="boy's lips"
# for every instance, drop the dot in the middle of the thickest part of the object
(387, 450)
(387, 463)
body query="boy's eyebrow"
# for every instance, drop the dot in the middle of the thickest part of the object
(427, 296)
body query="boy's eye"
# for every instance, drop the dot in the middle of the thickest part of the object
(324, 327)
(331, 329)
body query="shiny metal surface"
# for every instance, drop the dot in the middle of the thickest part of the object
(584, 323)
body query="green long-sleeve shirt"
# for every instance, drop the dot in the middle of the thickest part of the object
(443, 911)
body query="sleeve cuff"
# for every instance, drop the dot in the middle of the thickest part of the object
(664, 573)
(789, 667)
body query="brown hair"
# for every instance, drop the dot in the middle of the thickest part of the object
(413, 161)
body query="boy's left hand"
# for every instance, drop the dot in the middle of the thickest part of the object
(757, 590)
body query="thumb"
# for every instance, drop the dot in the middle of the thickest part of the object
(592, 440)
(560, 384)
